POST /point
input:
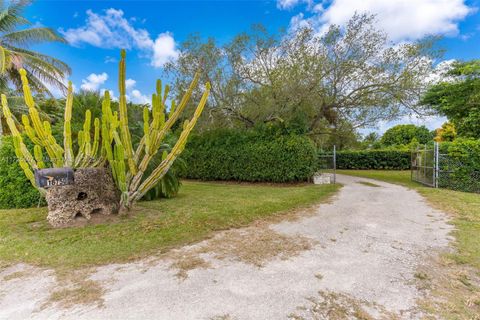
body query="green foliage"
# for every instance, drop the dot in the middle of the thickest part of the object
(371, 141)
(250, 156)
(459, 100)
(403, 134)
(16, 191)
(170, 184)
(115, 144)
(353, 77)
(446, 133)
(15, 52)
(460, 165)
(374, 159)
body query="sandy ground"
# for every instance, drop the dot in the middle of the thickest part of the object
(365, 248)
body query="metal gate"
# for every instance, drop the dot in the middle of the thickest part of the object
(327, 163)
(444, 170)
(424, 168)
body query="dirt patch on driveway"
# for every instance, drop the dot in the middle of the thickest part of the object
(361, 255)
(256, 245)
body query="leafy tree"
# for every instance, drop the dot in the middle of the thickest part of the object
(371, 141)
(403, 134)
(42, 70)
(459, 98)
(346, 75)
(446, 133)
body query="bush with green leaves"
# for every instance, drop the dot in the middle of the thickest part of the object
(404, 134)
(460, 165)
(374, 159)
(16, 191)
(251, 155)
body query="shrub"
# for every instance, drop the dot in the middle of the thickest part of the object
(250, 156)
(374, 159)
(404, 133)
(16, 191)
(460, 165)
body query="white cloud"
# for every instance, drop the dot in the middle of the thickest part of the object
(130, 83)
(94, 81)
(134, 95)
(113, 30)
(109, 59)
(288, 4)
(137, 97)
(164, 50)
(400, 19)
(440, 72)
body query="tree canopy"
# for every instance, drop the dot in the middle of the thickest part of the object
(403, 134)
(325, 84)
(459, 98)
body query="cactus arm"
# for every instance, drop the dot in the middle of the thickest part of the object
(158, 124)
(124, 130)
(21, 150)
(96, 138)
(146, 128)
(160, 128)
(67, 128)
(39, 156)
(165, 165)
(81, 148)
(55, 152)
(17, 142)
(84, 141)
(29, 130)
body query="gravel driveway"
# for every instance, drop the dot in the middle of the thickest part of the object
(355, 257)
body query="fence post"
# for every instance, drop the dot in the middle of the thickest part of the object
(334, 164)
(437, 165)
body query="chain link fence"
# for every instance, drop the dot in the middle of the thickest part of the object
(327, 163)
(423, 167)
(437, 166)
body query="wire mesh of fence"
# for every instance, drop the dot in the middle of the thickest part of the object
(455, 167)
(423, 166)
(327, 163)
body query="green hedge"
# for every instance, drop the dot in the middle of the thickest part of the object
(460, 165)
(374, 159)
(249, 156)
(15, 189)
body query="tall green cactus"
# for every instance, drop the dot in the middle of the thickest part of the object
(112, 143)
(129, 167)
(40, 133)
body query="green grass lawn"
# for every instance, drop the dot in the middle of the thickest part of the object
(464, 208)
(156, 226)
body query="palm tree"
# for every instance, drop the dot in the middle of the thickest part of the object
(15, 38)
(16, 35)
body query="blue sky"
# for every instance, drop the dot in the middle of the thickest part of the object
(152, 30)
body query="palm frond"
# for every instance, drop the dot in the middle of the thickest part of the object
(36, 55)
(10, 17)
(42, 70)
(31, 36)
(45, 76)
